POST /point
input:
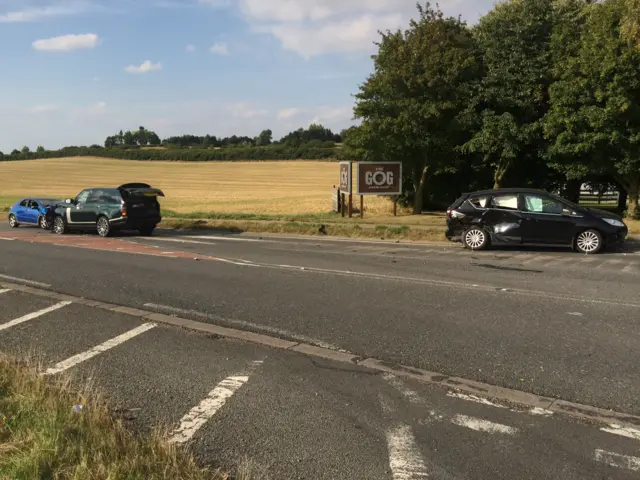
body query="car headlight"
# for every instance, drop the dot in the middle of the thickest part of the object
(614, 222)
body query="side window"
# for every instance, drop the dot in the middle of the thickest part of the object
(24, 203)
(94, 196)
(505, 202)
(33, 205)
(479, 202)
(542, 204)
(83, 196)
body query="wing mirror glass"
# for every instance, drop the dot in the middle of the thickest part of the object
(68, 201)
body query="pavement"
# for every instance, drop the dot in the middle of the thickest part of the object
(550, 323)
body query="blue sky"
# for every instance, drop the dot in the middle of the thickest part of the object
(75, 71)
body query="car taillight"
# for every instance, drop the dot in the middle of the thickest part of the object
(449, 213)
(124, 210)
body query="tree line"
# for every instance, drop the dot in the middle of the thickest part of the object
(541, 93)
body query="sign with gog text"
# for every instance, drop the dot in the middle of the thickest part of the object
(379, 178)
(345, 177)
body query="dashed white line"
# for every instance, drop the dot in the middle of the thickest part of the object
(622, 431)
(24, 280)
(179, 240)
(33, 315)
(616, 460)
(98, 349)
(481, 425)
(5, 290)
(200, 414)
(405, 460)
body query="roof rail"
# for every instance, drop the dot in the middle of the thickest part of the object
(134, 185)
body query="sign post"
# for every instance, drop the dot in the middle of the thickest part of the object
(346, 182)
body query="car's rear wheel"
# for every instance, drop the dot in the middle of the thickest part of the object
(475, 238)
(43, 223)
(146, 231)
(13, 221)
(589, 242)
(104, 228)
(59, 225)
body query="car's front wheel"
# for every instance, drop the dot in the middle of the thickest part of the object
(104, 228)
(59, 226)
(589, 242)
(475, 238)
(43, 223)
(13, 221)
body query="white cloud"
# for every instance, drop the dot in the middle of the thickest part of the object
(44, 108)
(316, 27)
(246, 110)
(144, 67)
(219, 48)
(190, 48)
(287, 113)
(66, 43)
(41, 13)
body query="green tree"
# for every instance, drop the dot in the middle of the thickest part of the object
(594, 121)
(265, 138)
(25, 150)
(514, 38)
(40, 149)
(412, 105)
(631, 22)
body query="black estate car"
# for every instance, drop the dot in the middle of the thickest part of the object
(520, 216)
(133, 206)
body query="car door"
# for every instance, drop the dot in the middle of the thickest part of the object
(546, 220)
(504, 218)
(32, 212)
(21, 211)
(77, 211)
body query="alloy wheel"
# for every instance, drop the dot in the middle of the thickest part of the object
(475, 238)
(42, 223)
(13, 222)
(588, 242)
(103, 227)
(58, 225)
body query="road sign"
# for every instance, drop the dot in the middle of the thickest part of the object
(379, 178)
(345, 177)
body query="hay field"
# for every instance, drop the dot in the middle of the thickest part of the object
(286, 187)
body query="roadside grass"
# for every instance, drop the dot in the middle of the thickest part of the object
(349, 230)
(42, 437)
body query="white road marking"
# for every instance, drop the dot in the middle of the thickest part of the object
(177, 240)
(616, 460)
(576, 314)
(24, 280)
(5, 290)
(412, 396)
(242, 323)
(540, 411)
(405, 460)
(98, 349)
(473, 398)
(622, 431)
(200, 414)
(230, 239)
(31, 316)
(7, 239)
(480, 425)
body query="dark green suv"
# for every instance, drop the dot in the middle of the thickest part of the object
(133, 206)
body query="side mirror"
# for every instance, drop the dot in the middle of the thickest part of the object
(68, 201)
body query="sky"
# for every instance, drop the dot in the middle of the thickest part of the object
(75, 71)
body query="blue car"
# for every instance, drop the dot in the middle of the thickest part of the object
(33, 211)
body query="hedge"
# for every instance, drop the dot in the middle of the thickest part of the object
(188, 154)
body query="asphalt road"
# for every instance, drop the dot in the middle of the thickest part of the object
(547, 322)
(297, 417)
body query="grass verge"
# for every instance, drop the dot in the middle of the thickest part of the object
(349, 230)
(41, 436)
